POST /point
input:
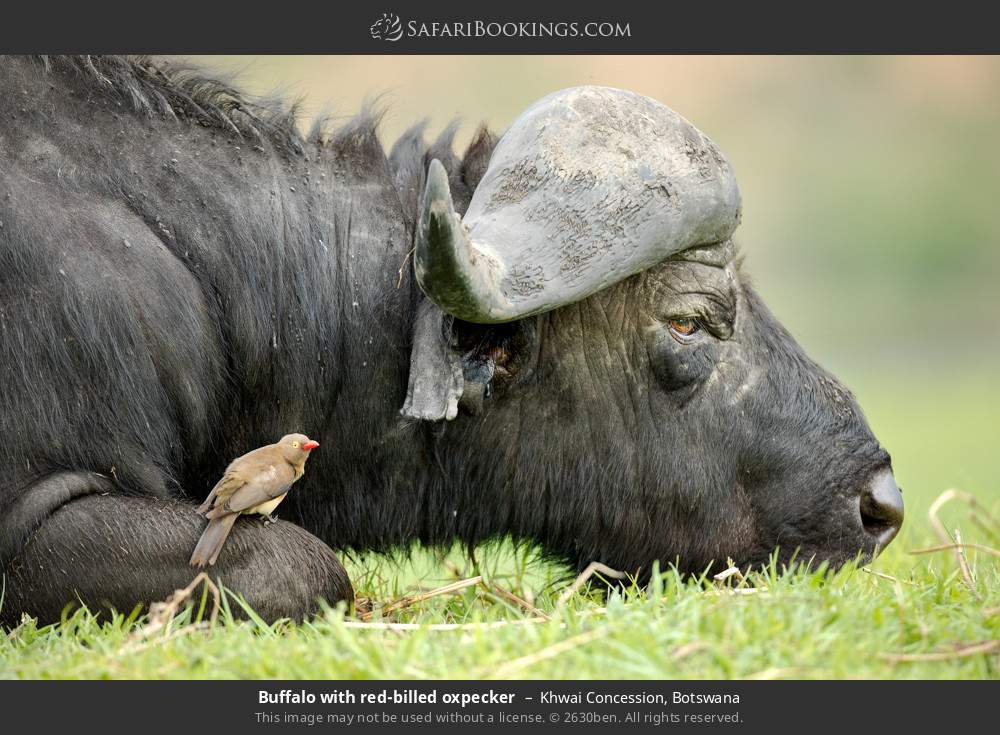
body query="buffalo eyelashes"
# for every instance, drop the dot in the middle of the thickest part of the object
(683, 327)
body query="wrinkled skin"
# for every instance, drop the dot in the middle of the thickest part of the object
(199, 294)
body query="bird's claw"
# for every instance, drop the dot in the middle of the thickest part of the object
(270, 520)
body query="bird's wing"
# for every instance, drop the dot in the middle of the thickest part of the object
(268, 484)
(223, 490)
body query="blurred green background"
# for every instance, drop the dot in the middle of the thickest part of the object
(870, 217)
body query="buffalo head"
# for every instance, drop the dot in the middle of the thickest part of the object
(607, 364)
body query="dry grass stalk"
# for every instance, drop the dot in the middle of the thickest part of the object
(791, 672)
(162, 613)
(687, 649)
(737, 592)
(361, 625)
(888, 577)
(731, 572)
(946, 497)
(963, 651)
(362, 606)
(595, 567)
(402, 602)
(505, 670)
(981, 516)
(963, 563)
(524, 604)
(949, 547)
(138, 644)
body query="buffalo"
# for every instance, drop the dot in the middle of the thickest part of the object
(548, 338)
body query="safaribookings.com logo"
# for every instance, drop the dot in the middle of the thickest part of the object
(390, 28)
(387, 28)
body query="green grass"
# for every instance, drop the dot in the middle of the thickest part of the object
(798, 624)
(801, 626)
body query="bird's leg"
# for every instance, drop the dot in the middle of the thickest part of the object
(270, 519)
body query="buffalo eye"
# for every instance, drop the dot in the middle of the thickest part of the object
(500, 357)
(683, 327)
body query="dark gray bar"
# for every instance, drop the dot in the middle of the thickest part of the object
(511, 27)
(513, 706)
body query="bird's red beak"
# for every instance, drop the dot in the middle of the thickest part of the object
(310, 445)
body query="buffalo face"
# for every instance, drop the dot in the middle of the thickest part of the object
(669, 418)
(795, 456)
(622, 394)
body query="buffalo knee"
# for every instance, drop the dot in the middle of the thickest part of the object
(114, 552)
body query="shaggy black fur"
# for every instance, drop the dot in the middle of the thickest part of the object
(184, 277)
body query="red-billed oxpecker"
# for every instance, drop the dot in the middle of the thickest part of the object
(254, 483)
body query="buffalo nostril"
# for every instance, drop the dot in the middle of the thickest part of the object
(881, 507)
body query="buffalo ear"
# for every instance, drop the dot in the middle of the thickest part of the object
(436, 380)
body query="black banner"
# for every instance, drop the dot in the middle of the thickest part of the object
(451, 27)
(515, 706)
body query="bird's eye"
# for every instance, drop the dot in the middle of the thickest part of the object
(295, 444)
(684, 327)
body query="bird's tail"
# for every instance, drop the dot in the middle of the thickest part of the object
(212, 540)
